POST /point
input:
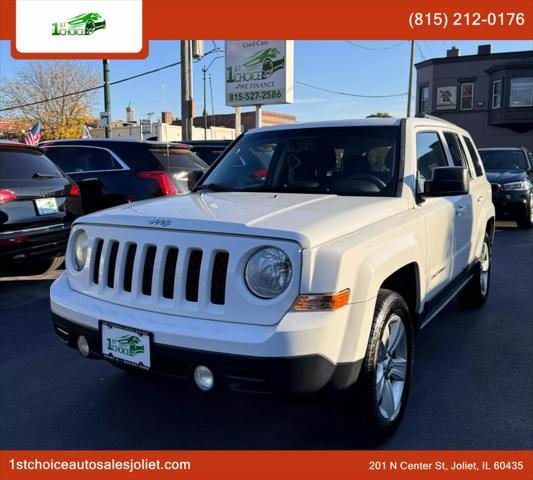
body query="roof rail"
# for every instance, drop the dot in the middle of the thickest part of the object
(431, 117)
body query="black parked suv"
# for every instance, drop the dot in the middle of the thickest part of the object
(38, 204)
(111, 172)
(209, 150)
(510, 171)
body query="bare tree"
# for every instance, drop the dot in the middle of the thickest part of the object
(46, 80)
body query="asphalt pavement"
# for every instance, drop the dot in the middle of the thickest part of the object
(472, 386)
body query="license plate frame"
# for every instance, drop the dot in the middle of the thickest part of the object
(122, 347)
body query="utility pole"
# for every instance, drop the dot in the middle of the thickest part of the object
(107, 99)
(204, 70)
(237, 121)
(411, 68)
(258, 115)
(186, 91)
(212, 103)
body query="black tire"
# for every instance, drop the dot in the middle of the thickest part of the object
(526, 222)
(359, 414)
(474, 293)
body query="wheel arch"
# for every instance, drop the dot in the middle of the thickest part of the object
(490, 229)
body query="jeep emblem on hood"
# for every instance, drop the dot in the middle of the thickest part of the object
(162, 222)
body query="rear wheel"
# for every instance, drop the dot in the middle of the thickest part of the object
(527, 220)
(373, 410)
(476, 291)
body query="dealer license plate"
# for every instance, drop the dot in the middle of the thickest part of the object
(125, 345)
(46, 206)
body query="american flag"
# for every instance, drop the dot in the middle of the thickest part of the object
(86, 133)
(33, 136)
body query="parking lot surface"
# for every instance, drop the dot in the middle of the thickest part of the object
(472, 384)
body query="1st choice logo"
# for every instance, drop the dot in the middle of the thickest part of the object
(127, 345)
(84, 24)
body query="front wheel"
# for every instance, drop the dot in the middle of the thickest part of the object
(476, 291)
(374, 408)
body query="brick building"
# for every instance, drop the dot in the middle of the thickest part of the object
(227, 120)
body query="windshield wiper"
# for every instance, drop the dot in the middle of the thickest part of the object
(215, 187)
(44, 175)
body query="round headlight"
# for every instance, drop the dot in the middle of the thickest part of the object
(268, 272)
(80, 246)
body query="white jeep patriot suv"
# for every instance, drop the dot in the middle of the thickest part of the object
(303, 260)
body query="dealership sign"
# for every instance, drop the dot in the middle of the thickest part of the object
(259, 72)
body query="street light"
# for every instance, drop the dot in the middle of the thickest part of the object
(204, 71)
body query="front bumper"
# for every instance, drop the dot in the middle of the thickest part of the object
(511, 205)
(304, 353)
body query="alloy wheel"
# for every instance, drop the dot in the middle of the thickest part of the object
(391, 371)
(485, 267)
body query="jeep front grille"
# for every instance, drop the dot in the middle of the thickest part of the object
(156, 271)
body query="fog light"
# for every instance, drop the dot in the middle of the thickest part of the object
(83, 346)
(204, 378)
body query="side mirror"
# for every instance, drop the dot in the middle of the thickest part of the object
(448, 181)
(193, 178)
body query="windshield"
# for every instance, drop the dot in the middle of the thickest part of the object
(359, 161)
(503, 159)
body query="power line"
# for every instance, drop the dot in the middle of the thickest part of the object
(347, 93)
(116, 82)
(364, 47)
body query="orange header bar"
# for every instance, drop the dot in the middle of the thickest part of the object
(322, 19)
(266, 465)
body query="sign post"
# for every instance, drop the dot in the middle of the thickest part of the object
(259, 72)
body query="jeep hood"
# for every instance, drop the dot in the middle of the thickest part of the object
(307, 219)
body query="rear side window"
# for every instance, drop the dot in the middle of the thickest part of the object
(19, 163)
(178, 158)
(82, 159)
(457, 152)
(474, 155)
(429, 155)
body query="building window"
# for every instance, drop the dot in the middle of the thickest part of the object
(521, 92)
(467, 96)
(424, 106)
(497, 89)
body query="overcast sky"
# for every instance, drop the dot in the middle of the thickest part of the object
(368, 68)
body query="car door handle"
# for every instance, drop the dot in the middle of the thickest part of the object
(480, 199)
